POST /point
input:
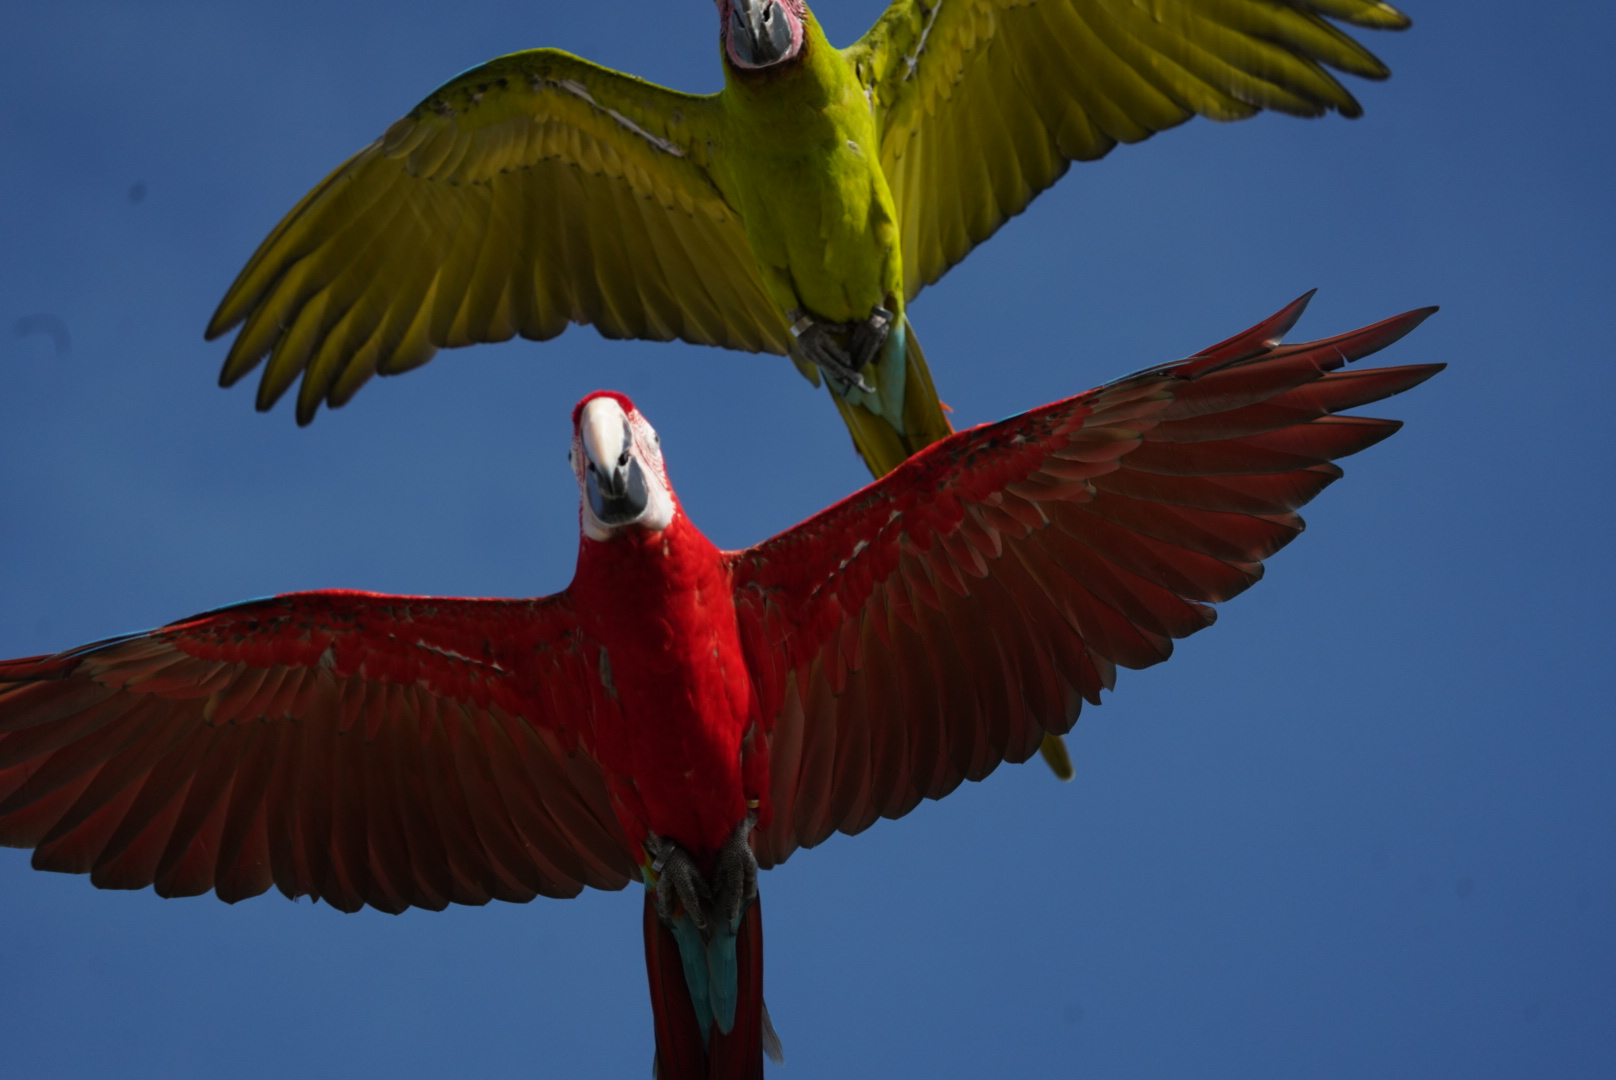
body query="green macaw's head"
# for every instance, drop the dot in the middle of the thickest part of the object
(761, 33)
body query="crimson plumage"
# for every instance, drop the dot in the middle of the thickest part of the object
(417, 751)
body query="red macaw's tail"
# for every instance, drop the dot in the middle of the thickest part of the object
(682, 1052)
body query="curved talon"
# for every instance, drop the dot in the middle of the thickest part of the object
(719, 901)
(869, 336)
(735, 875)
(816, 344)
(679, 884)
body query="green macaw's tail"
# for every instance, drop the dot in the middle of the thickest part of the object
(913, 417)
(884, 445)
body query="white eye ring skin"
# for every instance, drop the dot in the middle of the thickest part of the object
(639, 461)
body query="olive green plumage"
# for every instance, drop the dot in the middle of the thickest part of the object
(540, 190)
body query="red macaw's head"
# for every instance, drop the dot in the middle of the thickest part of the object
(761, 33)
(617, 458)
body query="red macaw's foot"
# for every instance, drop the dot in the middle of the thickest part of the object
(709, 902)
(821, 343)
(715, 1025)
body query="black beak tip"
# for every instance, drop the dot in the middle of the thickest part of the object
(762, 40)
(622, 499)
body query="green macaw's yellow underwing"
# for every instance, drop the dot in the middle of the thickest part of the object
(796, 211)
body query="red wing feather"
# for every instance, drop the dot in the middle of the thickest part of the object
(346, 746)
(947, 616)
(681, 1053)
(1254, 342)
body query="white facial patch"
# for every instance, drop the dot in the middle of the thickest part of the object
(604, 430)
(611, 442)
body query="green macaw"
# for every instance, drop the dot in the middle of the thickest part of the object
(796, 211)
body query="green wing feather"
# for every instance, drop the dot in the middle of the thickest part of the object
(982, 104)
(532, 192)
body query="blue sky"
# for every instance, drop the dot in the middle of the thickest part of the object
(1365, 826)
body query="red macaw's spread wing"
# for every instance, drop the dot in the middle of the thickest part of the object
(357, 748)
(947, 616)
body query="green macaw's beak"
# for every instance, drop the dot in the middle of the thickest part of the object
(759, 32)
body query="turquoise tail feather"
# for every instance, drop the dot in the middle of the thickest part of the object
(688, 1047)
(723, 975)
(887, 373)
(693, 955)
(891, 369)
(711, 972)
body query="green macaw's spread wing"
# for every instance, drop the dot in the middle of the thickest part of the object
(982, 104)
(534, 191)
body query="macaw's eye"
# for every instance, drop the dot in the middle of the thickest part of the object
(622, 459)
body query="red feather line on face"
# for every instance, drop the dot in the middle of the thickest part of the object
(621, 399)
(399, 751)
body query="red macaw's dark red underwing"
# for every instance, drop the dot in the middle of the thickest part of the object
(797, 211)
(400, 750)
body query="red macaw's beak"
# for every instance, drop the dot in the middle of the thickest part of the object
(759, 32)
(614, 480)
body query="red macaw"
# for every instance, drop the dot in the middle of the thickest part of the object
(680, 714)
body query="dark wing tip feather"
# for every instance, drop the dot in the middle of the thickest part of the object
(1015, 565)
(267, 395)
(238, 363)
(229, 314)
(1265, 335)
(1375, 15)
(230, 374)
(1357, 344)
(233, 310)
